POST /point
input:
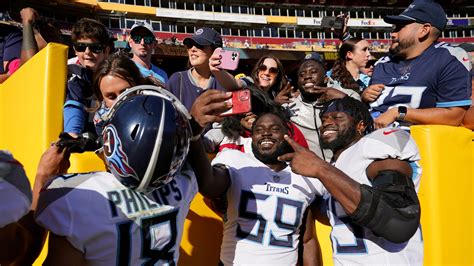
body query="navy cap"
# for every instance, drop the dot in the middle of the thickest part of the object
(314, 56)
(421, 11)
(205, 37)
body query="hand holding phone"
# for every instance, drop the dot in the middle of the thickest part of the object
(332, 23)
(229, 59)
(241, 103)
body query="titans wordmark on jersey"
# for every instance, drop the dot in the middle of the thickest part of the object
(353, 244)
(265, 211)
(113, 225)
(439, 77)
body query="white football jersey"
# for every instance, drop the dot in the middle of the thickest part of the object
(15, 190)
(353, 244)
(114, 225)
(265, 211)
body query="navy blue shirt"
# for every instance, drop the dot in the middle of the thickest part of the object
(183, 86)
(79, 98)
(10, 44)
(439, 77)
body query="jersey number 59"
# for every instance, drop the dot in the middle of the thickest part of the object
(246, 197)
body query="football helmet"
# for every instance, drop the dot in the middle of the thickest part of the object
(146, 137)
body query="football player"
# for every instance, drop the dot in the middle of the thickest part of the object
(21, 238)
(371, 187)
(135, 214)
(267, 217)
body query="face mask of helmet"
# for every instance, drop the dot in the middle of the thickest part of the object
(146, 138)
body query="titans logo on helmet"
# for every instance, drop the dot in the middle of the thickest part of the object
(117, 159)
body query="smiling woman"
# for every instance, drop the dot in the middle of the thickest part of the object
(113, 76)
(189, 84)
(268, 75)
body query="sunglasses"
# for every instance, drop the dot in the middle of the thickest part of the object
(371, 63)
(93, 47)
(146, 39)
(271, 70)
(190, 45)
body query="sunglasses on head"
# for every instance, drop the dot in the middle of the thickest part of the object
(146, 39)
(272, 70)
(93, 47)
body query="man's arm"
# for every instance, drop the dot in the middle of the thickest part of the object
(389, 207)
(14, 243)
(61, 252)
(311, 248)
(306, 163)
(22, 241)
(29, 46)
(4, 77)
(212, 181)
(468, 120)
(451, 116)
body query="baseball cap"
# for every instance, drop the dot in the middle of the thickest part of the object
(314, 56)
(142, 24)
(205, 37)
(422, 11)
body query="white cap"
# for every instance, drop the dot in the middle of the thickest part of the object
(144, 25)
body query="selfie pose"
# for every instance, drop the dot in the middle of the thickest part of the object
(203, 75)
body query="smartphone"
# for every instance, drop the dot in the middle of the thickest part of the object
(229, 60)
(329, 22)
(241, 103)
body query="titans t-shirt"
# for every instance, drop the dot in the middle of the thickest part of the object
(439, 77)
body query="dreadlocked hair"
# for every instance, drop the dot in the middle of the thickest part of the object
(339, 71)
(358, 110)
(231, 127)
